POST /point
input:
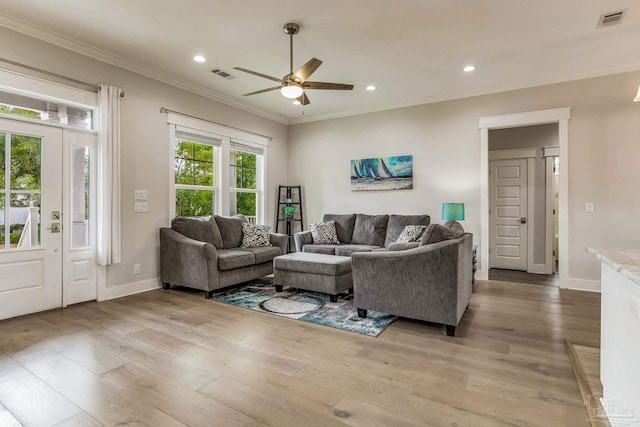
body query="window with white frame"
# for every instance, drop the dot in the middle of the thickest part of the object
(245, 172)
(218, 170)
(195, 174)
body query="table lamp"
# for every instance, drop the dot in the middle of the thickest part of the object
(453, 211)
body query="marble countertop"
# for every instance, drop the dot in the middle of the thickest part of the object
(625, 261)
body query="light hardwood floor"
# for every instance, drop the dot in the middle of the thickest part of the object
(171, 358)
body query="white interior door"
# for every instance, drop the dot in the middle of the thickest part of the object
(508, 214)
(30, 218)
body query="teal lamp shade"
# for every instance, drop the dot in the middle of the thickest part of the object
(453, 211)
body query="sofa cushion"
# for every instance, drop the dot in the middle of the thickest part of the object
(230, 230)
(344, 225)
(455, 226)
(264, 254)
(228, 259)
(411, 233)
(320, 249)
(397, 223)
(255, 236)
(324, 233)
(347, 250)
(203, 229)
(436, 233)
(370, 229)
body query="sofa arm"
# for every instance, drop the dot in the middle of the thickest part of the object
(280, 240)
(302, 238)
(187, 262)
(402, 246)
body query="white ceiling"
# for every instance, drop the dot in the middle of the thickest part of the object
(412, 50)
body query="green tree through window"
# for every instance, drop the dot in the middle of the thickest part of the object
(244, 168)
(194, 178)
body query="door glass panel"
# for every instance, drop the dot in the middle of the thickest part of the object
(2, 223)
(2, 159)
(26, 154)
(24, 221)
(80, 197)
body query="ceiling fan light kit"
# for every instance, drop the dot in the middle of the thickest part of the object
(291, 90)
(293, 85)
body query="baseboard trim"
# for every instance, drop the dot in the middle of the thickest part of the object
(584, 285)
(132, 288)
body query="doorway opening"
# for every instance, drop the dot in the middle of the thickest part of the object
(521, 204)
(559, 118)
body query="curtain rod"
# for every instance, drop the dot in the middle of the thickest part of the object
(166, 110)
(50, 73)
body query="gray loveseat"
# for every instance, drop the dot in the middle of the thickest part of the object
(360, 233)
(430, 282)
(205, 253)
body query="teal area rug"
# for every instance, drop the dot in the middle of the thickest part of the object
(313, 307)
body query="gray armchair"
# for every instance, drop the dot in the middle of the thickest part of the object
(431, 282)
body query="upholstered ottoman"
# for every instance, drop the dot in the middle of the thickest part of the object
(329, 274)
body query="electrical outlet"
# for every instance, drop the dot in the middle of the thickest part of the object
(589, 208)
(136, 268)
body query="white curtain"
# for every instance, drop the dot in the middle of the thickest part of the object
(109, 219)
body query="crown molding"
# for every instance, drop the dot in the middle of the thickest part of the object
(121, 62)
(569, 77)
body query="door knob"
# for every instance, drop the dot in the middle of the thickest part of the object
(55, 227)
(523, 220)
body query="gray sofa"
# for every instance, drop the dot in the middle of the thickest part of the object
(205, 253)
(360, 233)
(430, 282)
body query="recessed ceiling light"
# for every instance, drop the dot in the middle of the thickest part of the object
(199, 58)
(370, 88)
(469, 68)
(296, 102)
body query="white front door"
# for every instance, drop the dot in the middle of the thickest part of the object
(30, 218)
(508, 214)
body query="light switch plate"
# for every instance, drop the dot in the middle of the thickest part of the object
(140, 194)
(140, 207)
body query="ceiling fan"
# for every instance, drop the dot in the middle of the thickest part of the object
(292, 85)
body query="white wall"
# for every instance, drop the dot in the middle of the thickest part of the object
(146, 160)
(531, 137)
(443, 137)
(445, 142)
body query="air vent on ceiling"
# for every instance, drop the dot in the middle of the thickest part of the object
(612, 18)
(222, 73)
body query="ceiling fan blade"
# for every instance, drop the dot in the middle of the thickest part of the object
(329, 86)
(304, 72)
(255, 73)
(262, 91)
(303, 99)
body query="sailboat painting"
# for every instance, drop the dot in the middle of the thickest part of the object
(382, 173)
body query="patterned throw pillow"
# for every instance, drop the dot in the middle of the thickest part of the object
(411, 233)
(255, 236)
(324, 233)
